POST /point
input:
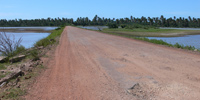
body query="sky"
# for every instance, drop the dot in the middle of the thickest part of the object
(34, 9)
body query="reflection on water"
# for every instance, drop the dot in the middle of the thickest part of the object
(190, 40)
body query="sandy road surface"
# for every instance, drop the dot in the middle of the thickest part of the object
(90, 65)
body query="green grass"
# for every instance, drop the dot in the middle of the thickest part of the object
(41, 67)
(50, 39)
(34, 54)
(2, 76)
(13, 94)
(2, 66)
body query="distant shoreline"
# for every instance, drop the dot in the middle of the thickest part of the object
(27, 29)
(24, 31)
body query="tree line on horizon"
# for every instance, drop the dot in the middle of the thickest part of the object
(85, 21)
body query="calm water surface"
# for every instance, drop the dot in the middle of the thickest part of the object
(29, 39)
(180, 28)
(193, 40)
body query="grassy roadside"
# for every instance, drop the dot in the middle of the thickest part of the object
(152, 32)
(50, 39)
(16, 92)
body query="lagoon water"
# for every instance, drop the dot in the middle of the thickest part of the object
(30, 38)
(180, 28)
(190, 40)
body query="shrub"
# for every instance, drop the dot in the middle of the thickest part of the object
(112, 25)
(44, 42)
(190, 47)
(178, 45)
(133, 26)
(123, 26)
(19, 49)
(146, 28)
(34, 54)
(2, 67)
(58, 28)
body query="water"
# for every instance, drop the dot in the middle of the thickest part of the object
(190, 40)
(94, 27)
(180, 28)
(29, 39)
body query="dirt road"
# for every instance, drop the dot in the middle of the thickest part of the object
(89, 65)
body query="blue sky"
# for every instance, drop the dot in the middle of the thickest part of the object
(31, 9)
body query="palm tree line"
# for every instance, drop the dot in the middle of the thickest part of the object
(85, 21)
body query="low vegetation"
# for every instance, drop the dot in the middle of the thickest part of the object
(13, 93)
(2, 66)
(112, 25)
(19, 50)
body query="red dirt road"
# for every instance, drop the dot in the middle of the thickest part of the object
(89, 65)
